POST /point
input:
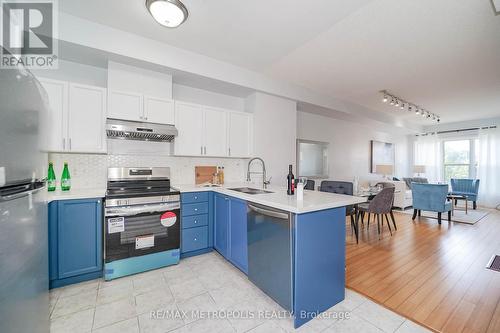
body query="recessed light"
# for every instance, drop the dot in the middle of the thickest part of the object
(169, 13)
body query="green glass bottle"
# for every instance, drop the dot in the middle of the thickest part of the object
(51, 178)
(65, 178)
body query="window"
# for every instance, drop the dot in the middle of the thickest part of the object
(459, 159)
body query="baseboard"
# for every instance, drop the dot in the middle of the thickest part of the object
(74, 279)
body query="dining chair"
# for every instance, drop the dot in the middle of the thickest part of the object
(340, 187)
(380, 206)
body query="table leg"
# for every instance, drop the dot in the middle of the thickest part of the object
(466, 206)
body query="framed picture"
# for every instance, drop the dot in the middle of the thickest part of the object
(382, 153)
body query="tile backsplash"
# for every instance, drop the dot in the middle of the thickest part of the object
(90, 170)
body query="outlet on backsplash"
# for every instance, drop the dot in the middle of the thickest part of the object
(90, 170)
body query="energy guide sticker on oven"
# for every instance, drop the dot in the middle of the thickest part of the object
(116, 224)
(142, 242)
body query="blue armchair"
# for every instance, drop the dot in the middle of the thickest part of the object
(466, 187)
(430, 197)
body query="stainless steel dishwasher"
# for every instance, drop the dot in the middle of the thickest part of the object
(270, 252)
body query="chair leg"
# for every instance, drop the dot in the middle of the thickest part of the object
(354, 228)
(474, 205)
(419, 212)
(393, 221)
(456, 201)
(378, 223)
(439, 217)
(414, 214)
(388, 223)
(449, 216)
(368, 227)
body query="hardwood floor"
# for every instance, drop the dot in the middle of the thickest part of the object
(432, 274)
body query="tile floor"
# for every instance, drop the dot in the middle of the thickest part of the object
(181, 298)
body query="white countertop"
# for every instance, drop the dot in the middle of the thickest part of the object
(313, 200)
(81, 193)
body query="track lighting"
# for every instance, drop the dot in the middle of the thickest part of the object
(405, 105)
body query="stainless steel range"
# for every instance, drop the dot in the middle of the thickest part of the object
(142, 221)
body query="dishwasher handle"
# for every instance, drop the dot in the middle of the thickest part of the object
(269, 212)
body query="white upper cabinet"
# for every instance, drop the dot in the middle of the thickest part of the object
(159, 110)
(240, 134)
(138, 107)
(77, 115)
(125, 105)
(189, 123)
(210, 131)
(86, 118)
(215, 132)
(57, 93)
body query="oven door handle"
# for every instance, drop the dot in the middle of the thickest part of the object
(134, 210)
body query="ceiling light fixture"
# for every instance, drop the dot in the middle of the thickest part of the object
(405, 105)
(169, 13)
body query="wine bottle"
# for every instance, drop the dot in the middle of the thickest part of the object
(51, 178)
(65, 178)
(290, 181)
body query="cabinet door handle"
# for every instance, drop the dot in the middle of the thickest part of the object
(64, 144)
(229, 151)
(69, 143)
(205, 150)
(201, 150)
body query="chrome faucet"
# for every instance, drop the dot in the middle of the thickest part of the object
(265, 181)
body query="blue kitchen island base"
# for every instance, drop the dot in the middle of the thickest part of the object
(319, 263)
(134, 265)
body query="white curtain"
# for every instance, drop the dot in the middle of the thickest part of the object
(428, 152)
(489, 167)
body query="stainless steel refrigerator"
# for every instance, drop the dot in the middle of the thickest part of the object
(24, 300)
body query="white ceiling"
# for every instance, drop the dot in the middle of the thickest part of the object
(443, 55)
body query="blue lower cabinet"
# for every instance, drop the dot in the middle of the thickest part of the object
(75, 241)
(194, 239)
(196, 223)
(238, 253)
(221, 224)
(231, 230)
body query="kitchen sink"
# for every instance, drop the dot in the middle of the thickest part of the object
(249, 190)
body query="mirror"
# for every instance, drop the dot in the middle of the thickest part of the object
(312, 159)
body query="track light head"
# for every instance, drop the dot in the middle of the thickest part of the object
(385, 99)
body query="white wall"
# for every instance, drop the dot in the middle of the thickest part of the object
(128, 78)
(275, 132)
(205, 97)
(75, 72)
(349, 146)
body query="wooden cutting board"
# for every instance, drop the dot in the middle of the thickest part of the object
(204, 174)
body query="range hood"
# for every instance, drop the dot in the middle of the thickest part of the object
(134, 130)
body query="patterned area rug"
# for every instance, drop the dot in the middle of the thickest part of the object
(472, 216)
